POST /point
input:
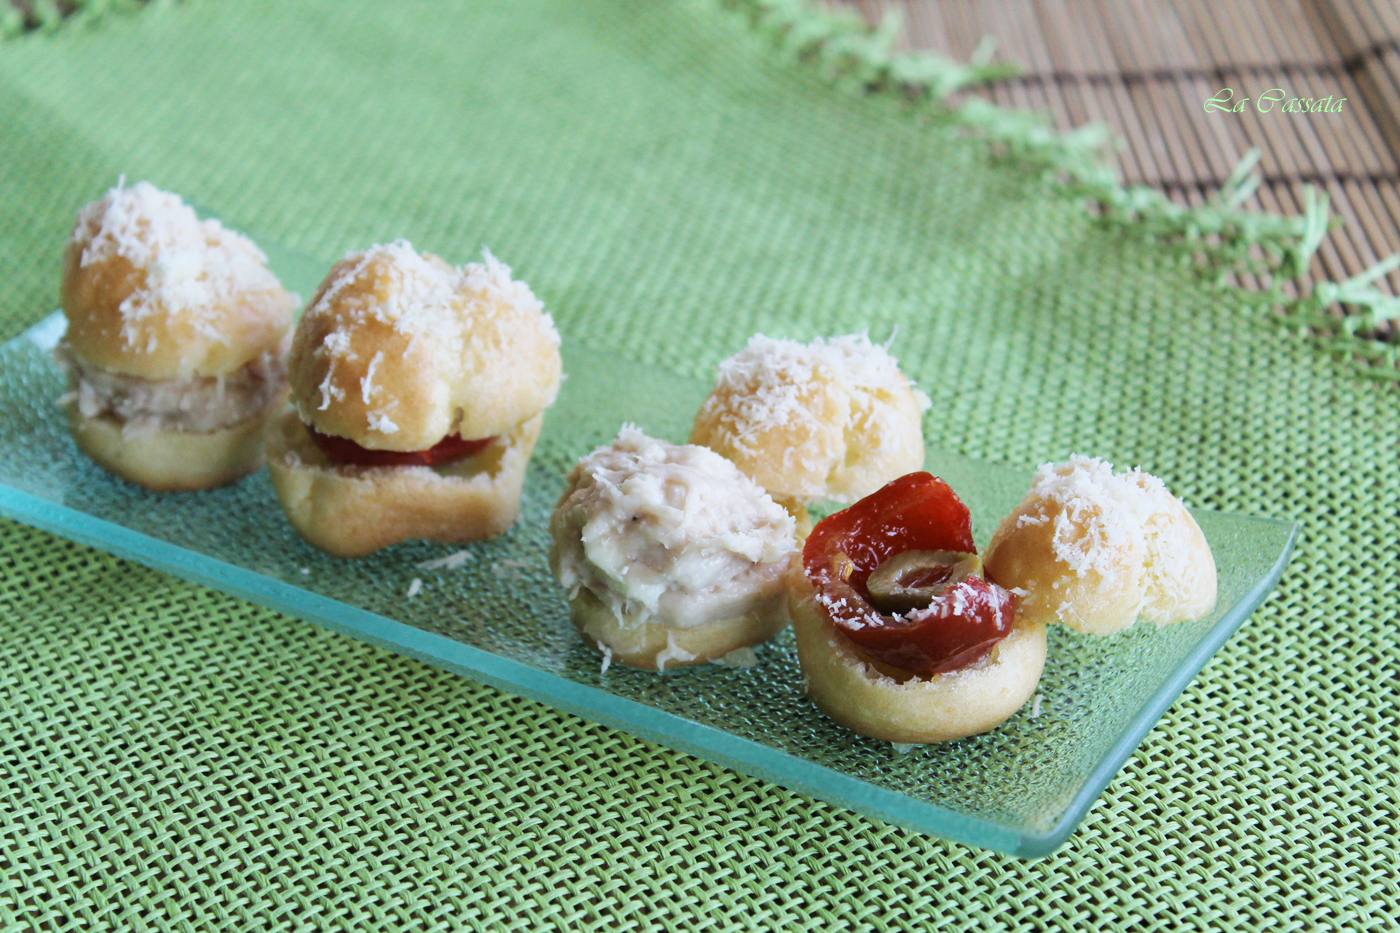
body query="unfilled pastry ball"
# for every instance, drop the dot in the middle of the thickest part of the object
(670, 555)
(831, 419)
(1094, 550)
(398, 350)
(1181, 578)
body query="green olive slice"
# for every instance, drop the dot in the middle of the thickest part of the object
(914, 579)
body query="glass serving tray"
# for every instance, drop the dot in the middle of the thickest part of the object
(493, 613)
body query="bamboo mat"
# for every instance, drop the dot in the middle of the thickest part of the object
(1146, 68)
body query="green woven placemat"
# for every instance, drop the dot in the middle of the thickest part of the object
(173, 758)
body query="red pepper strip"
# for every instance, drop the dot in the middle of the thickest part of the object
(448, 450)
(917, 512)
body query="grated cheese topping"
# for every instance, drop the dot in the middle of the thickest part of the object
(422, 301)
(776, 376)
(451, 562)
(958, 600)
(191, 267)
(672, 652)
(470, 323)
(1127, 534)
(1097, 515)
(741, 659)
(805, 418)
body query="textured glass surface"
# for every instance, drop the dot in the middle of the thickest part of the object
(496, 615)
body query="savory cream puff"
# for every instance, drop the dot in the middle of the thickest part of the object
(832, 419)
(900, 635)
(175, 341)
(1095, 550)
(418, 393)
(670, 555)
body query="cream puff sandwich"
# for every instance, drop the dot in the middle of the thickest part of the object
(900, 634)
(833, 419)
(1095, 550)
(175, 341)
(418, 392)
(670, 555)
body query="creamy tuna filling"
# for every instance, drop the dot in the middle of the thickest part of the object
(198, 405)
(678, 534)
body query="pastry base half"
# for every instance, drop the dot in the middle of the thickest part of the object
(172, 461)
(859, 694)
(655, 646)
(350, 511)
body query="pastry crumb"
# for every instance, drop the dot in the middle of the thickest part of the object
(450, 562)
(740, 659)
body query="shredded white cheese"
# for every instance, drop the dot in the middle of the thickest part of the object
(367, 384)
(810, 420)
(459, 318)
(451, 562)
(510, 568)
(380, 422)
(672, 652)
(740, 659)
(191, 267)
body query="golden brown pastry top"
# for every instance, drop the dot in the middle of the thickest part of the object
(831, 419)
(398, 349)
(1094, 550)
(150, 290)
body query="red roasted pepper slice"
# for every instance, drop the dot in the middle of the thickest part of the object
(962, 622)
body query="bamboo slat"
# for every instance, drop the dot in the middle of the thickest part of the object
(1146, 67)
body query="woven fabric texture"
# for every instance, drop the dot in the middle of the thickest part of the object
(172, 758)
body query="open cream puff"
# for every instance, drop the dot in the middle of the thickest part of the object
(670, 555)
(175, 341)
(900, 635)
(419, 390)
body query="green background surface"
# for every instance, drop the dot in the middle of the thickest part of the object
(174, 758)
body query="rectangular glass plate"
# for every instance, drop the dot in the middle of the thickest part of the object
(499, 618)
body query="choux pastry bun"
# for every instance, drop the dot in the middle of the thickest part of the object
(831, 419)
(175, 341)
(418, 392)
(1094, 550)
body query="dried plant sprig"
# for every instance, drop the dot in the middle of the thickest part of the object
(1219, 239)
(21, 16)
